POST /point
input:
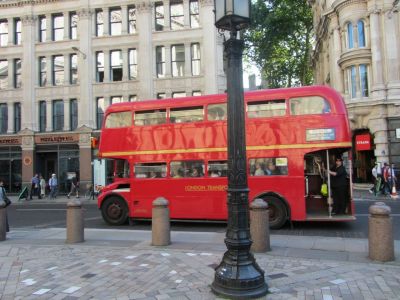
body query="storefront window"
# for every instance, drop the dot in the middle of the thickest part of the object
(68, 164)
(11, 168)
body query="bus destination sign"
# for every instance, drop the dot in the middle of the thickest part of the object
(320, 134)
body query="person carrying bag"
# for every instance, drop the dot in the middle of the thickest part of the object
(3, 196)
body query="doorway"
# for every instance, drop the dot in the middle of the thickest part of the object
(46, 164)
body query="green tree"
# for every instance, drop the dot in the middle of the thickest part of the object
(279, 41)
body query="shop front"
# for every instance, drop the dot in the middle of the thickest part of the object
(364, 157)
(11, 163)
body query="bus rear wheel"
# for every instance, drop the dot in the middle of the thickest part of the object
(114, 211)
(277, 212)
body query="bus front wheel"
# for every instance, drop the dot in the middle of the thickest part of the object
(114, 211)
(277, 212)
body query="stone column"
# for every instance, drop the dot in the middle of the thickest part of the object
(85, 156)
(66, 25)
(86, 71)
(29, 73)
(124, 16)
(49, 115)
(379, 129)
(67, 113)
(167, 61)
(392, 54)
(11, 116)
(107, 65)
(28, 158)
(167, 16)
(11, 73)
(11, 29)
(125, 65)
(188, 61)
(49, 24)
(146, 64)
(377, 82)
(212, 51)
(106, 21)
(186, 13)
(67, 69)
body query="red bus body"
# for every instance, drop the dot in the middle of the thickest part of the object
(205, 197)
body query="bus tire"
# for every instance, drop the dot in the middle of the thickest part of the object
(114, 211)
(277, 212)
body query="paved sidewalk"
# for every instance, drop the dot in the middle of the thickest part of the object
(121, 264)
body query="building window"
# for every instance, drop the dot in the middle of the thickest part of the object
(132, 19)
(3, 33)
(159, 16)
(160, 61)
(196, 93)
(42, 29)
(73, 108)
(361, 34)
(116, 65)
(17, 31)
(194, 14)
(352, 81)
(100, 111)
(350, 41)
(73, 72)
(73, 26)
(17, 73)
(42, 71)
(364, 81)
(178, 94)
(178, 60)
(3, 74)
(58, 115)
(132, 64)
(177, 17)
(17, 117)
(58, 70)
(42, 116)
(99, 66)
(161, 96)
(99, 23)
(3, 118)
(133, 98)
(195, 54)
(115, 21)
(116, 99)
(58, 27)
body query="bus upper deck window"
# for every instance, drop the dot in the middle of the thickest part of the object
(119, 119)
(186, 114)
(150, 117)
(312, 105)
(266, 109)
(216, 112)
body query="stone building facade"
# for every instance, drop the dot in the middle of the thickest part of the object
(358, 53)
(62, 62)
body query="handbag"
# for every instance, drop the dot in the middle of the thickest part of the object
(324, 189)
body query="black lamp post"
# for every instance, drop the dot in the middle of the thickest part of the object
(238, 275)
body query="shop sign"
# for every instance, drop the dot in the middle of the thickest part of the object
(57, 139)
(10, 141)
(363, 142)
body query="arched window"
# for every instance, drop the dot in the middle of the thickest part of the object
(350, 41)
(361, 33)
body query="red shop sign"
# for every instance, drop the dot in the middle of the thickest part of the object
(363, 142)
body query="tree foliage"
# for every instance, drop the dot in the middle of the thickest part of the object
(279, 41)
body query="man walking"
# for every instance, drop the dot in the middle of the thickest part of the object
(53, 186)
(35, 187)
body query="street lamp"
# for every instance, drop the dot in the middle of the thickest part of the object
(238, 275)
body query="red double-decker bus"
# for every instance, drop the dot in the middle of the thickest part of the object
(176, 148)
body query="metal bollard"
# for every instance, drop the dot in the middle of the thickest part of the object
(160, 226)
(75, 225)
(259, 226)
(380, 233)
(3, 221)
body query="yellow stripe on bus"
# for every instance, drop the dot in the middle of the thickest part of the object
(223, 149)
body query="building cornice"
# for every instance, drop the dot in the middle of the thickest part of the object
(20, 3)
(338, 5)
(355, 57)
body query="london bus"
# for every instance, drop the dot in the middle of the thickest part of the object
(177, 149)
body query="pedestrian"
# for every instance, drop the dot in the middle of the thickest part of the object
(42, 184)
(387, 178)
(377, 178)
(74, 186)
(3, 197)
(35, 187)
(339, 187)
(53, 186)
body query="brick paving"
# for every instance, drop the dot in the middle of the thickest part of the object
(84, 271)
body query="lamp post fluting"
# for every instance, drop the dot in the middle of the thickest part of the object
(238, 275)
